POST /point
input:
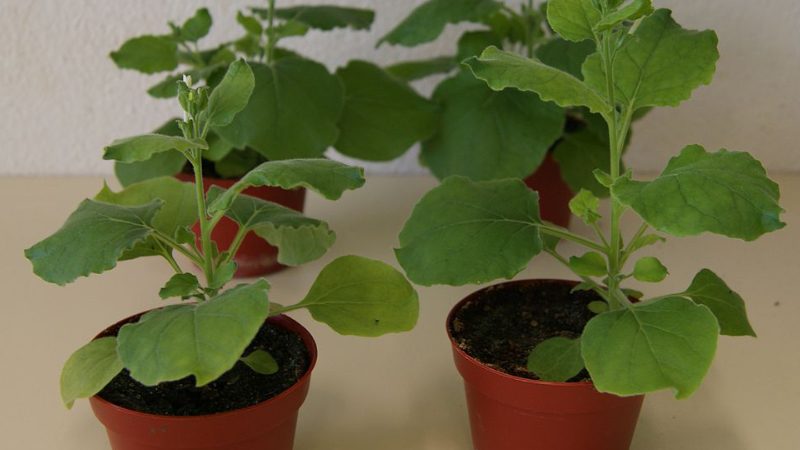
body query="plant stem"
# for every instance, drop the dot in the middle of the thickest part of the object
(271, 32)
(562, 233)
(164, 239)
(595, 287)
(205, 230)
(234, 247)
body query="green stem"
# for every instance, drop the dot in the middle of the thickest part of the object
(234, 247)
(271, 32)
(628, 251)
(595, 287)
(164, 239)
(285, 309)
(205, 230)
(562, 233)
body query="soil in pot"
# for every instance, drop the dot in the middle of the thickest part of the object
(238, 388)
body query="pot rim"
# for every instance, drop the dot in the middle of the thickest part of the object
(512, 378)
(283, 321)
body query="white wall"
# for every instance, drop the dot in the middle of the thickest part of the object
(62, 99)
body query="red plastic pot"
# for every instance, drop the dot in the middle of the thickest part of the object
(554, 194)
(513, 413)
(269, 425)
(255, 256)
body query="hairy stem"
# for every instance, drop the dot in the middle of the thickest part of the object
(271, 37)
(565, 234)
(205, 229)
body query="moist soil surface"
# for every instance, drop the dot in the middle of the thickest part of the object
(238, 388)
(502, 324)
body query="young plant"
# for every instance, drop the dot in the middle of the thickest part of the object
(298, 109)
(206, 338)
(473, 232)
(507, 134)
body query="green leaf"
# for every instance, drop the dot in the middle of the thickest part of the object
(660, 65)
(650, 270)
(645, 241)
(466, 232)
(669, 343)
(505, 134)
(180, 285)
(218, 149)
(299, 239)
(382, 116)
(89, 370)
(204, 340)
(573, 19)
(143, 147)
(237, 163)
(472, 43)
(261, 362)
(198, 26)
(147, 54)
(417, 70)
(632, 11)
(579, 154)
(501, 70)
(324, 17)
(292, 113)
(598, 307)
(566, 55)
(709, 290)
(362, 297)
(92, 240)
(328, 178)
(427, 21)
(250, 24)
(633, 293)
(231, 95)
(557, 359)
(290, 29)
(222, 275)
(591, 264)
(161, 164)
(586, 206)
(725, 193)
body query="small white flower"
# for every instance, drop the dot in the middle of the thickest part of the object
(187, 80)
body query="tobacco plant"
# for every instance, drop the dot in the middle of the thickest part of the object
(206, 337)
(472, 232)
(298, 109)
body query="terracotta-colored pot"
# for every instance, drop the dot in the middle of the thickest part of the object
(255, 256)
(269, 425)
(513, 413)
(554, 194)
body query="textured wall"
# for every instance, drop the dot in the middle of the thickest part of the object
(62, 99)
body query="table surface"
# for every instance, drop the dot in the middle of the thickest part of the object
(397, 392)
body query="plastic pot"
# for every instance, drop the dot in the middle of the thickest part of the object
(255, 256)
(269, 425)
(554, 194)
(513, 413)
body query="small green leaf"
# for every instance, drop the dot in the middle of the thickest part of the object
(573, 19)
(180, 285)
(603, 178)
(89, 370)
(261, 362)
(198, 26)
(324, 17)
(632, 11)
(586, 206)
(464, 232)
(669, 343)
(231, 95)
(726, 193)
(144, 147)
(383, 117)
(598, 307)
(591, 264)
(501, 70)
(417, 70)
(565, 55)
(219, 148)
(362, 297)
(427, 21)
(161, 164)
(645, 241)
(222, 275)
(250, 24)
(290, 29)
(557, 359)
(147, 54)
(633, 293)
(708, 289)
(650, 270)
(204, 340)
(473, 43)
(328, 178)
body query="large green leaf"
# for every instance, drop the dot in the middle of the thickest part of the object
(466, 232)
(92, 240)
(299, 239)
(197, 26)
(501, 70)
(709, 289)
(231, 95)
(669, 343)
(416, 70)
(557, 359)
(382, 116)
(573, 19)
(147, 54)
(725, 193)
(566, 55)
(324, 17)
(161, 164)
(427, 21)
(204, 340)
(292, 113)
(660, 65)
(326, 177)
(144, 147)
(488, 135)
(362, 297)
(89, 370)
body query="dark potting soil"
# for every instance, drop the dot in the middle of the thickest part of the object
(238, 388)
(501, 326)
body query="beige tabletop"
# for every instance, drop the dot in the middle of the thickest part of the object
(398, 392)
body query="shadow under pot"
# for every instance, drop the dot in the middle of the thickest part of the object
(554, 193)
(492, 331)
(266, 425)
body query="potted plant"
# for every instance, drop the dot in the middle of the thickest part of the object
(225, 370)
(486, 134)
(563, 365)
(298, 109)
